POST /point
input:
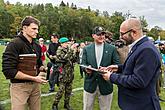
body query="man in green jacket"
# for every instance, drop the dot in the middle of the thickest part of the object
(95, 55)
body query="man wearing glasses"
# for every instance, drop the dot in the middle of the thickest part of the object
(95, 55)
(137, 77)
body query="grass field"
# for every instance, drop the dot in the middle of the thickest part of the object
(76, 98)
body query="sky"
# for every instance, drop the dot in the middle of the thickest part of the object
(152, 10)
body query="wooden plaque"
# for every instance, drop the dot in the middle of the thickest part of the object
(27, 64)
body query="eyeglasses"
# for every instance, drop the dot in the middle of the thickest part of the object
(123, 33)
(101, 34)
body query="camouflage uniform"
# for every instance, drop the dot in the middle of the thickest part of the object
(65, 57)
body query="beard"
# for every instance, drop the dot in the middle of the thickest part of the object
(129, 39)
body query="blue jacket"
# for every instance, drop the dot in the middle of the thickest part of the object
(137, 77)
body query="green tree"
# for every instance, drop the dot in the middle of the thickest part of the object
(2, 4)
(105, 14)
(162, 34)
(49, 20)
(143, 22)
(5, 20)
(63, 20)
(115, 21)
(154, 32)
(62, 4)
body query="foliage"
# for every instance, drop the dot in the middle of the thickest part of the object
(65, 20)
(2, 4)
(154, 32)
(143, 22)
(116, 19)
(162, 34)
(6, 20)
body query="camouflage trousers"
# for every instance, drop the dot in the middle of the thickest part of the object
(63, 87)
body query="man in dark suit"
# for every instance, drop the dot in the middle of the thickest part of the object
(98, 54)
(137, 77)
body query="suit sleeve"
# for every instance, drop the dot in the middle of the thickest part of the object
(147, 65)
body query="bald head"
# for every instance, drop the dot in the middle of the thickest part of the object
(134, 26)
(131, 30)
(132, 23)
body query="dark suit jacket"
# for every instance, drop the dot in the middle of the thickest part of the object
(137, 78)
(109, 57)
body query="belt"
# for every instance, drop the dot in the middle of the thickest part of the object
(20, 81)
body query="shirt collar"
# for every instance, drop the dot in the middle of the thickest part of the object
(131, 45)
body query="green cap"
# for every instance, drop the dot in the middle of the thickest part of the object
(63, 40)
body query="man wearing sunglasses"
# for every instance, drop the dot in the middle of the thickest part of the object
(95, 55)
(137, 77)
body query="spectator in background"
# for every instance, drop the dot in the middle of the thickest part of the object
(43, 49)
(160, 48)
(163, 70)
(82, 45)
(50, 53)
(108, 37)
(122, 50)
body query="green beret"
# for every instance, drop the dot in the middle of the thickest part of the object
(63, 40)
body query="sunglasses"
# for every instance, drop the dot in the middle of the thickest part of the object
(100, 34)
(123, 33)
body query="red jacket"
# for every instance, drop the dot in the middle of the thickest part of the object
(44, 49)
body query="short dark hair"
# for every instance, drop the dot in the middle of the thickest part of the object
(54, 36)
(108, 35)
(28, 20)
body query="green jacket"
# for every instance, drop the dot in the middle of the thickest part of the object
(109, 57)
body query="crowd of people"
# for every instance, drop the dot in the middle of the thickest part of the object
(127, 62)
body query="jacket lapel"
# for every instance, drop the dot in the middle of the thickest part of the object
(135, 47)
(93, 55)
(104, 54)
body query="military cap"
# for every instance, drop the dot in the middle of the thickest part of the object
(63, 40)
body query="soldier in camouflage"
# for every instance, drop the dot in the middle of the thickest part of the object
(65, 57)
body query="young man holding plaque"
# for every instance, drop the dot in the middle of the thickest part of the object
(21, 63)
(98, 54)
